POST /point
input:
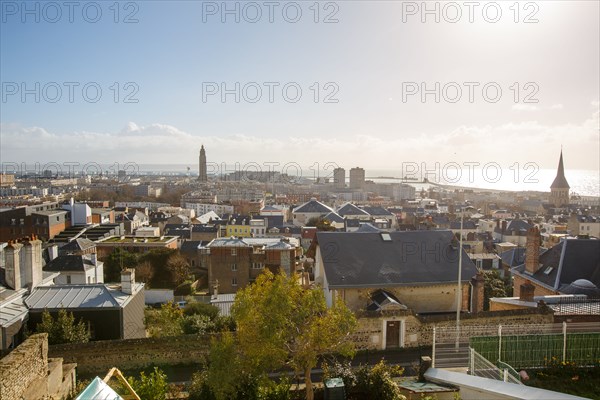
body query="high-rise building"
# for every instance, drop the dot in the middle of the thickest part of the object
(559, 190)
(339, 178)
(202, 177)
(357, 178)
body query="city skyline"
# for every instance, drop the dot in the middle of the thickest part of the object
(385, 85)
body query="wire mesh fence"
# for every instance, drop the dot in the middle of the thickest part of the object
(521, 346)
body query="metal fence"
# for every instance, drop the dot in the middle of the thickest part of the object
(525, 345)
(480, 366)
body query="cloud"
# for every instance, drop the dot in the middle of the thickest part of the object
(556, 107)
(526, 141)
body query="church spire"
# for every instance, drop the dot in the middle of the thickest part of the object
(560, 182)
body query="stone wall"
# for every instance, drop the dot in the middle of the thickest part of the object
(418, 330)
(99, 357)
(24, 366)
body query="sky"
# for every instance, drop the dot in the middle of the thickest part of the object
(373, 84)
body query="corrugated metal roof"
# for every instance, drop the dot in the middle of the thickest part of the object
(72, 296)
(98, 390)
(11, 312)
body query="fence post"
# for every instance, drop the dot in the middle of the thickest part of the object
(433, 350)
(505, 375)
(472, 360)
(564, 357)
(500, 342)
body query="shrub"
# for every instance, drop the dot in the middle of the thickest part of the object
(201, 309)
(377, 383)
(153, 386)
(340, 370)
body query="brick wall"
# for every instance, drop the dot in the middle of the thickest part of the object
(25, 365)
(99, 357)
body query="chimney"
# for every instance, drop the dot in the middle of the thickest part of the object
(32, 261)
(14, 274)
(477, 295)
(127, 281)
(504, 226)
(53, 252)
(94, 258)
(498, 223)
(532, 251)
(526, 292)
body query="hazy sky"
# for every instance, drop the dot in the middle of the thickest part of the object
(361, 69)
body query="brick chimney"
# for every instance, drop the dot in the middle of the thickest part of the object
(532, 251)
(477, 285)
(526, 292)
(127, 281)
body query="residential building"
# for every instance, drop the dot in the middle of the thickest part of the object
(76, 269)
(417, 268)
(311, 209)
(339, 178)
(111, 311)
(588, 225)
(233, 262)
(357, 178)
(570, 267)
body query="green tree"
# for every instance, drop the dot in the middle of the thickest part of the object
(493, 286)
(322, 224)
(117, 261)
(178, 267)
(63, 328)
(166, 321)
(153, 386)
(281, 323)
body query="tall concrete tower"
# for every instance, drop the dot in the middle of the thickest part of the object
(559, 190)
(339, 178)
(202, 166)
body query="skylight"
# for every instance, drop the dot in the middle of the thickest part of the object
(548, 270)
(386, 237)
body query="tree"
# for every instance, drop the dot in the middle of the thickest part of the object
(322, 224)
(493, 286)
(167, 321)
(281, 323)
(153, 386)
(144, 272)
(117, 261)
(179, 268)
(63, 328)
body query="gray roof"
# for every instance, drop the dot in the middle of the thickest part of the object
(567, 262)
(333, 217)
(76, 296)
(313, 206)
(69, 263)
(367, 227)
(350, 209)
(376, 211)
(400, 259)
(12, 311)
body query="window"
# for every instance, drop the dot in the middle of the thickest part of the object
(233, 281)
(234, 252)
(68, 279)
(257, 265)
(234, 267)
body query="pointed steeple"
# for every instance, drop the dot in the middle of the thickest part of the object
(560, 182)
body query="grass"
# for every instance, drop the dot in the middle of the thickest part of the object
(567, 378)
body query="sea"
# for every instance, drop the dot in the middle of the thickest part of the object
(523, 178)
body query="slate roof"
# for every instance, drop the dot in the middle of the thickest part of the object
(190, 246)
(76, 245)
(12, 311)
(334, 217)
(560, 182)
(466, 225)
(69, 263)
(350, 209)
(313, 206)
(570, 260)
(367, 227)
(519, 226)
(376, 211)
(407, 259)
(513, 257)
